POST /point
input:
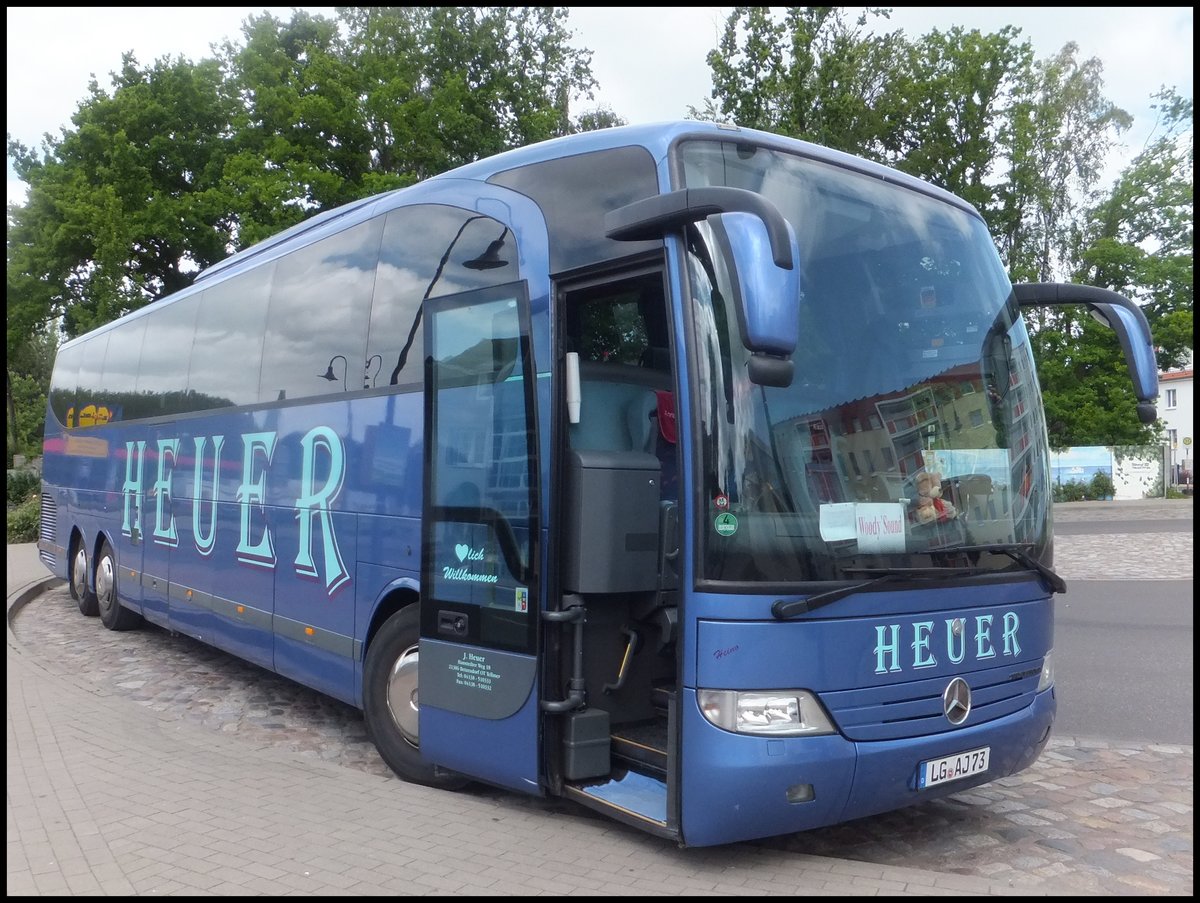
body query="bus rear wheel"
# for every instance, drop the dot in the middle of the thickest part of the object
(81, 589)
(390, 701)
(113, 614)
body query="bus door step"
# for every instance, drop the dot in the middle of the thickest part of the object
(662, 695)
(641, 746)
(628, 796)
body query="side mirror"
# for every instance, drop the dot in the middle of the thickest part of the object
(761, 251)
(767, 295)
(1118, 313)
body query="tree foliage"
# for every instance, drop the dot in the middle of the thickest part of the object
(951, 125)
(332, 110)
(1059, 133)
(1136, 240)
(177, 164)
(125, 206)
(814, 74)
(182, 163)
(1138, 236)
(29, 369)
(1024, 140)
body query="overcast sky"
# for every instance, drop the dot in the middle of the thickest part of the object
(649, 61)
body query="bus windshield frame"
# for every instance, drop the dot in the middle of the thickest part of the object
(913, 425)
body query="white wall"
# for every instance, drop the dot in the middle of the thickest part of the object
(1178, 417)
(1134, 476)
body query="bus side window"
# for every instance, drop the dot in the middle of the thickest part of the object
(316, 326)
(428, 251)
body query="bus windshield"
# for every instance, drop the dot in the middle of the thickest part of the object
(913, 424)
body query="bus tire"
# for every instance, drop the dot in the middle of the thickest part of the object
(390, 704)
(113, 614)
(81, 589)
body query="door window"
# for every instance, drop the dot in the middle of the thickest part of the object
(481, 447)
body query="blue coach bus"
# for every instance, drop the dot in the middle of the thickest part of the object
(690, 472)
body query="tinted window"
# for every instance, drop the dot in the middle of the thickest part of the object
(622, 323)
(480, 460)
(88, 407)
(63, 383)
(429, 251)
(317, 323)
(227, 351)
(119, 381)
(163, 374)
(576, 192)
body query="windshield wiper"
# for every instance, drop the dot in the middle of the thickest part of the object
(784, 610)
(1017, 552)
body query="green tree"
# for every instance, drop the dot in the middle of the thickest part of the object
(124, 207)
(298, 139)
(814, 75)
(29, 369)
(949, 106)
(1085, 385)
(1021, 139)
(1059, 132)
(182, 163)
(179, 164)
(1024, 140)
(601, 117)
(444, 86)
(1137, 240)
(382, 97)
(121, 209)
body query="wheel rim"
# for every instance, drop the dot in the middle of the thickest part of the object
(79, 573)
(402, 695)
(105, 583)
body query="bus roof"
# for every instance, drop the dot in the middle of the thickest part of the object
(657, 138)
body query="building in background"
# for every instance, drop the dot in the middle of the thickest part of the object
(1175, 411)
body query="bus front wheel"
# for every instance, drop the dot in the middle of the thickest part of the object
(390, 703)
(113, 614)
(81, 590)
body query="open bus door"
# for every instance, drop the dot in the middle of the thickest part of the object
(478, 669)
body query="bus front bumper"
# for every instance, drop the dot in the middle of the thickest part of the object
(739, 787)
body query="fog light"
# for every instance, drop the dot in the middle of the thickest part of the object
(1046, 679)
(801, 793)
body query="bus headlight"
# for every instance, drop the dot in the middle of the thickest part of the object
(1046, 681)
(778, 713)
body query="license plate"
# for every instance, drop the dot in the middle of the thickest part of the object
(953, 768)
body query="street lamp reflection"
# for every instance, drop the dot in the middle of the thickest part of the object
(369, 377)
(489, 260)
(330, 375)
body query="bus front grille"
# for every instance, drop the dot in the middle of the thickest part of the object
(915, 708)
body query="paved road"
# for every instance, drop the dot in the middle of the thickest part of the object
(145, 763)
(1123, 660)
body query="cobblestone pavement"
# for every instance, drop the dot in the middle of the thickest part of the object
(1099, 818)
(1145, 509)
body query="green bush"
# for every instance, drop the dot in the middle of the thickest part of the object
(1098, 488)
(24, 520)
(1071, 491)
(21, 484)
(1101, 486)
